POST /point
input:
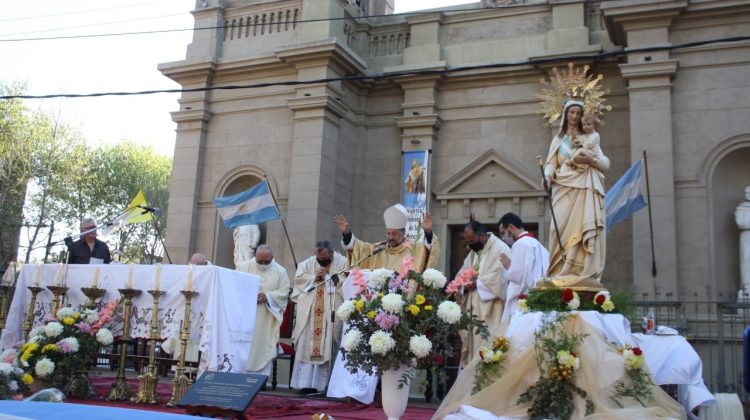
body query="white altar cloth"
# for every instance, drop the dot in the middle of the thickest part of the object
(222, 315)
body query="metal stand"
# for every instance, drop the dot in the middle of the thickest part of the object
(120, 390)
(93, 293)
(181, 382)
(29, 321)
(6, 295)
(59, 297)
(149, 379)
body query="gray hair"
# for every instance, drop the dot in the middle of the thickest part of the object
(86, 221)
(265, 247)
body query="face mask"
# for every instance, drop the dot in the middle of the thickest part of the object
(262, 267)
(476, 247)
(324, 263)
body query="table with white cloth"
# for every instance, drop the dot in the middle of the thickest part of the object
(222, 315)
(360, 385)
(672, 360)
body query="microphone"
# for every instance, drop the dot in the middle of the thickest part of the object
(379, 247)
(146, 209)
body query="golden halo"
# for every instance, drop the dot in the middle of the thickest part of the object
(573, 84)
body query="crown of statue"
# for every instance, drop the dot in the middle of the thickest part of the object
(572, 85)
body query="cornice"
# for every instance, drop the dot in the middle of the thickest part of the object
(620, 16)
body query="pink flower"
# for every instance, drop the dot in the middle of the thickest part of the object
(463, 279)
(407, 264)
(83, 327)
(104, 316)
(387, 321)
(359, 280)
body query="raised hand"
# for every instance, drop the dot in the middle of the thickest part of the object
(427, 223)
(342, 223)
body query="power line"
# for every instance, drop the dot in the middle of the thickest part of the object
(94, 24)
(78, 12)
(384, 76)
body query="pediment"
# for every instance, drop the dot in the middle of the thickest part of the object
(490, 175)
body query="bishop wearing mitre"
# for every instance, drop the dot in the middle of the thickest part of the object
(391, 253)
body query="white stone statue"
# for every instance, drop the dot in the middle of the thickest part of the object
(742, 217)
(246, 238)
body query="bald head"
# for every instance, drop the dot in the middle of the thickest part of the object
(264, 254)
(198, 259)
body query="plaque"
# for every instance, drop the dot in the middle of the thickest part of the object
(222, 392)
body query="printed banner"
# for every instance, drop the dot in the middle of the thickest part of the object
(415, 188)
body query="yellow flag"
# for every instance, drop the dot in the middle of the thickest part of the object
(138, 210)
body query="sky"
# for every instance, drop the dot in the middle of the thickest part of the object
(108, 64)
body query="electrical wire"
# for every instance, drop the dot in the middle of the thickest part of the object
(80, 12)
(386, 76)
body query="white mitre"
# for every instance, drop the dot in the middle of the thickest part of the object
(396, 217)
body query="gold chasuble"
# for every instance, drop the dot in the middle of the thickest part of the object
(392, 258)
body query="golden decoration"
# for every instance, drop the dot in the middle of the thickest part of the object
(573, 84)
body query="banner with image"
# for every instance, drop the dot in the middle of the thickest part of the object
(414, 188)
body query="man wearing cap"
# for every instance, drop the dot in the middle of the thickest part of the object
(273, 296)
(426, 252)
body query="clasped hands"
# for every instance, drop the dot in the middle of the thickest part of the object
(262, 298)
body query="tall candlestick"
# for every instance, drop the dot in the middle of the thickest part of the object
(95, 283)
(157, 277)
(189, 287)
(130, 276)
(58, 276)
(38, 274)
(10, 274)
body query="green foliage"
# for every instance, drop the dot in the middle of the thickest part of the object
(636, 385)
(548, 298)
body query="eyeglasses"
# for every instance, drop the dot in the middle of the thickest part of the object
(263, 262)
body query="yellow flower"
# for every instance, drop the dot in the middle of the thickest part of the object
(427, 307)
(29, 349)
(27, 379)
(420, 299)
(68, 321)
(372, 314)
(49, 347)
(414, 309)
(500, 343)
(359, 305)
(380, 295)
(608, 306)
(77, 315)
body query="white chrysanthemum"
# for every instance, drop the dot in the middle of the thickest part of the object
(13, 385)
(566, 359)
(66, 312)
(53, 329)
(70, 343)
(90, 316)
(378, 278)
(36, 331)
(393, 303)
(449, 312)
(345, 310)
(18, 371)
(381, 342)
(104, 337)
(351, 340)
(574, 304)
(44, 367)
(5, 368)
(434, 278)
(420, 345)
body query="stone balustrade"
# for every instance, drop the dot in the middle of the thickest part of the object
(253, 23)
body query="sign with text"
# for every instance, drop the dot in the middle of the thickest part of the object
(415, 188)
(231, 391)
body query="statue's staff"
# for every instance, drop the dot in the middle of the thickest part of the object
(548, 188)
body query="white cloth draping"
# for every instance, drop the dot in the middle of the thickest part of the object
(343, 383)
(222, 314)
(673, 360)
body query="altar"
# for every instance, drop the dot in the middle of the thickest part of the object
(222, 314)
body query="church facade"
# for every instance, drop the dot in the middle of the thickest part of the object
(338, 99)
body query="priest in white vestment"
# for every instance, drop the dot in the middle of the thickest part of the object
(528, 262)
(316, 297)
(272, 299)
(485, 298)
(390, 254)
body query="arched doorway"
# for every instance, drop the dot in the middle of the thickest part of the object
(224, 249)
(730, 177)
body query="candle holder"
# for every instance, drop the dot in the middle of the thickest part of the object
(120, 389)
(6, 296)
(147, 381)
(58, 293)
(29, 321)
(181, 382)
(93, 293)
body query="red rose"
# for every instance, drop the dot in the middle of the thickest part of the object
(522, 296)
(600, 299)
(567, 294)
(438, 359)
(637, 351)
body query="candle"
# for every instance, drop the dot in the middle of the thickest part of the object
(58, 276)
(157, 277)
(38, 275)
(190, 278)
(130, 276)
(95, 283)
(10, 274)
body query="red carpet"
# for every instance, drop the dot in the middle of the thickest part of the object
(263, 406)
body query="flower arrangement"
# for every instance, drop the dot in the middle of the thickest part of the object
(523, 303)
(13, 381)
(398, 318)
(637, 383)
(548, 298)
(490, 368)
(60, 352)
(557, 358)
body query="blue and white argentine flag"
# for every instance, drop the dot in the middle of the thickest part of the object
(249, 207)
(625, 198)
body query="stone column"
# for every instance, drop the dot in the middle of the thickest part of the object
(742, 217)
(635, 24)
